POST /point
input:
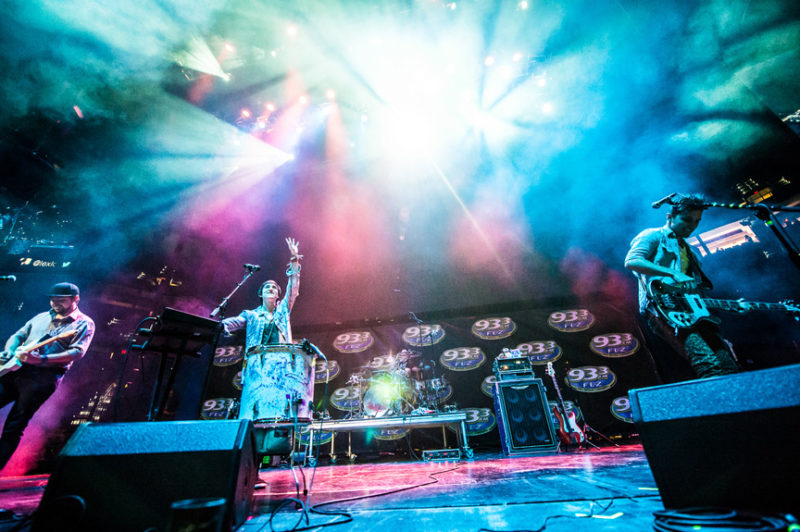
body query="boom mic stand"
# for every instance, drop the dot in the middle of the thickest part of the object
(251, 269)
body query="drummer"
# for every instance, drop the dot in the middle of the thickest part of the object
(269, 323)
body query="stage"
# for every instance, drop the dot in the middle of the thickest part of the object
(610, 488)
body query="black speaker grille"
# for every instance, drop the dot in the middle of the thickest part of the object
(522, 410)
(526, 419)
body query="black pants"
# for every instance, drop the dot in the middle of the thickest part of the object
(29, 387)
(696, 352)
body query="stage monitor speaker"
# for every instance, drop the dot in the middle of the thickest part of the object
(125, 476)
(728, 441)
(523, 418)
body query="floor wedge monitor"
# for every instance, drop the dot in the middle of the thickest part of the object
(125, 476)
(728, 441)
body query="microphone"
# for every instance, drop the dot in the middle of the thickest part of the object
(252, 267)
(12, 278)
(662, 201)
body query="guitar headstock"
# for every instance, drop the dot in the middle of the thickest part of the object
(549, 369)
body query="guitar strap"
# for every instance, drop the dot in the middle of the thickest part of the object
(694, 266)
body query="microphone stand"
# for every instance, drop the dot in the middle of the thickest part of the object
(767, 214)
(224, 303)
(433, 364)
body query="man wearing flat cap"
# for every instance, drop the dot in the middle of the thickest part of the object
(37, 356)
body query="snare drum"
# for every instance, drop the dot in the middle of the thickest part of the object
(277, 383)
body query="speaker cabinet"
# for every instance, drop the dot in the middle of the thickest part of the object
(125, 476)
(726, 441)
(523, 418)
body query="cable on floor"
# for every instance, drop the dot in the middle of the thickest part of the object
(720, 519)
(591, 513)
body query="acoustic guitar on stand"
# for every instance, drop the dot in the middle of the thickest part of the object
(12, 363)
(568, 430)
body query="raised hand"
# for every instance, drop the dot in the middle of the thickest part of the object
(294, 248)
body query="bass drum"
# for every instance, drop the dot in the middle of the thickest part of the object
(277, 383)
(387, 394)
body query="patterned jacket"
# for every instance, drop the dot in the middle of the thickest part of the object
(255, 320)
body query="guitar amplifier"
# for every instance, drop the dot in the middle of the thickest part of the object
(511, 364)
(523, 417)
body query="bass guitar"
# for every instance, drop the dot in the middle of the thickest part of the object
(568, 430)
(12, 363)
(683, 306)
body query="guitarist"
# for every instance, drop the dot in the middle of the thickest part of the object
(663, 252)
(41, 370)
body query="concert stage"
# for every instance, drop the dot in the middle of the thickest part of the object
(610, 488)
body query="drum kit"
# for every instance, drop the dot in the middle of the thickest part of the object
(399, 386)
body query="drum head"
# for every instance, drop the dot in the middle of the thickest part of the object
(386, 394)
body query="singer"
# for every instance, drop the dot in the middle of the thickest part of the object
(265, 372)
(30, 374)
(662, 252)
(269, 323)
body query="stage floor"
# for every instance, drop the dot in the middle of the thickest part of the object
(492, 492)
(607, 489)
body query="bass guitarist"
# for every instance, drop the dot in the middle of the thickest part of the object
(662, 253)
(63, 335)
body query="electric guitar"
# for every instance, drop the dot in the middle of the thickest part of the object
(683, 306)
(568, 430)
(11, 363)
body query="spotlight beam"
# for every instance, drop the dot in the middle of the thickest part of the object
(481, 233)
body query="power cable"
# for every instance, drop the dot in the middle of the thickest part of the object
(720, 520)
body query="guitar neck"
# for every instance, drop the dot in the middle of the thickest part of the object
(558, 394)
(44, 342)
(732, 304)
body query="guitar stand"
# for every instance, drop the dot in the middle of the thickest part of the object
(588, 427)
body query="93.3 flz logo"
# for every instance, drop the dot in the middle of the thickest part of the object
(422, 335)
(346, 398)
(591, 378)
(320, 437)
(614, 345)
(353, 342)
(220, 408)
(487, 386)
(571, 320)
(540, 352)
(621, 409)
(479, 421)
(494, 328)
(388, 361)
(228, 355)
(387, 434)
(463, 358)
(326, 371)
